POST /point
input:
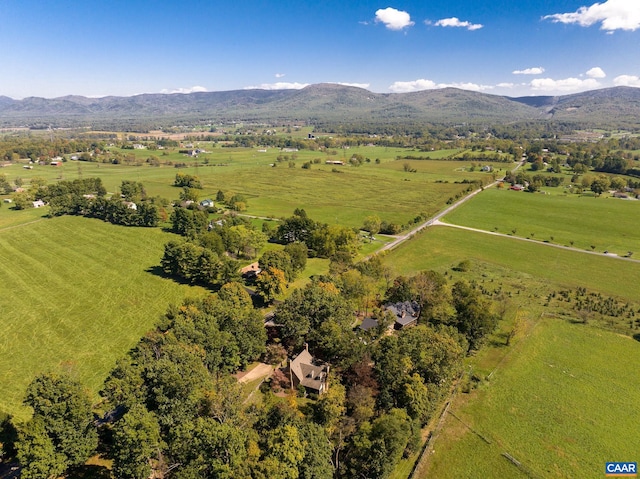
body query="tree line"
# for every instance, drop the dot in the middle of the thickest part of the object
(87, 197)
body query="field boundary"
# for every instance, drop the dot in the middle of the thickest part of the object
(438, 222)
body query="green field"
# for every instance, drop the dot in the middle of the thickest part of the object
(77, 294)
(441, 248)
(562, 405)
(544, 404)
(345, 196)
(606, 223)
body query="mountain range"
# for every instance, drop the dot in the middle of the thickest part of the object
(616, 107)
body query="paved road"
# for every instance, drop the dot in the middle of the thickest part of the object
(402, 238)
(435, 221)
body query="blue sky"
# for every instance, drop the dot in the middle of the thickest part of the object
(504, 47)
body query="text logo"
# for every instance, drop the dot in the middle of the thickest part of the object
(621, 469)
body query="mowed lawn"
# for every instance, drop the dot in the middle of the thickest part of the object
(609, 224)
(77, 294)
(441, 248)
(562, 405)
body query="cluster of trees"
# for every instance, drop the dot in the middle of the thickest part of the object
(35, 148)
(278, 268)
(60, 433)
(86, 197)
(321, 239)
(206, 253)
(534, 182)
(184, 180)
(5, 185)
(234, 234)
(235, 201)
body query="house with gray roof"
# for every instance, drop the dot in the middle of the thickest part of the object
(406, 313)
(305, 370)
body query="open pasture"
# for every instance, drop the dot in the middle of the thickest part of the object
(604, 222)
(329, 193)
(562, 405)
(78, 294)
(440, 248)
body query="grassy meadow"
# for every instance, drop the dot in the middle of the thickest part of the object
(329, 193)
(604, 222)
(441, 248)
(562, 405)
(544, 403)
(77, 295)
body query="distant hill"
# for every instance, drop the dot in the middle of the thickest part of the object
(323, 103)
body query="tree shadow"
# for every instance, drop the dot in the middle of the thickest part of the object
(499, 340)
(90, 472)
(636, 336)
(9, 471)
(158, 271)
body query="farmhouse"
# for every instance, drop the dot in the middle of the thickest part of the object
(38, 204)
(207, 203)
(334, 162)
(56, 163)
(406, 313)
(517, 187)
(130, 204)
(307, 372)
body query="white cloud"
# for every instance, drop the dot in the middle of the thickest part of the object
(394, 19)
(422, 84)
(455, 22)
(529, 71)
(627, 80)
(357, 85)
(193, 89)
(505, 85)
(279, 75)
(281, 85)
(564, 85)
(612, 14)
(596, 72)
(415, 85)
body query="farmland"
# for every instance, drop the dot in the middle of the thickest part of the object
(580, 221)
(544, 407)
(77, 294)
(81, 292)
(333, 194)
(442, 248)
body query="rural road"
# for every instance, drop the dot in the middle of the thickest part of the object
(520, 238)
(435, 221)
(431, 221)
